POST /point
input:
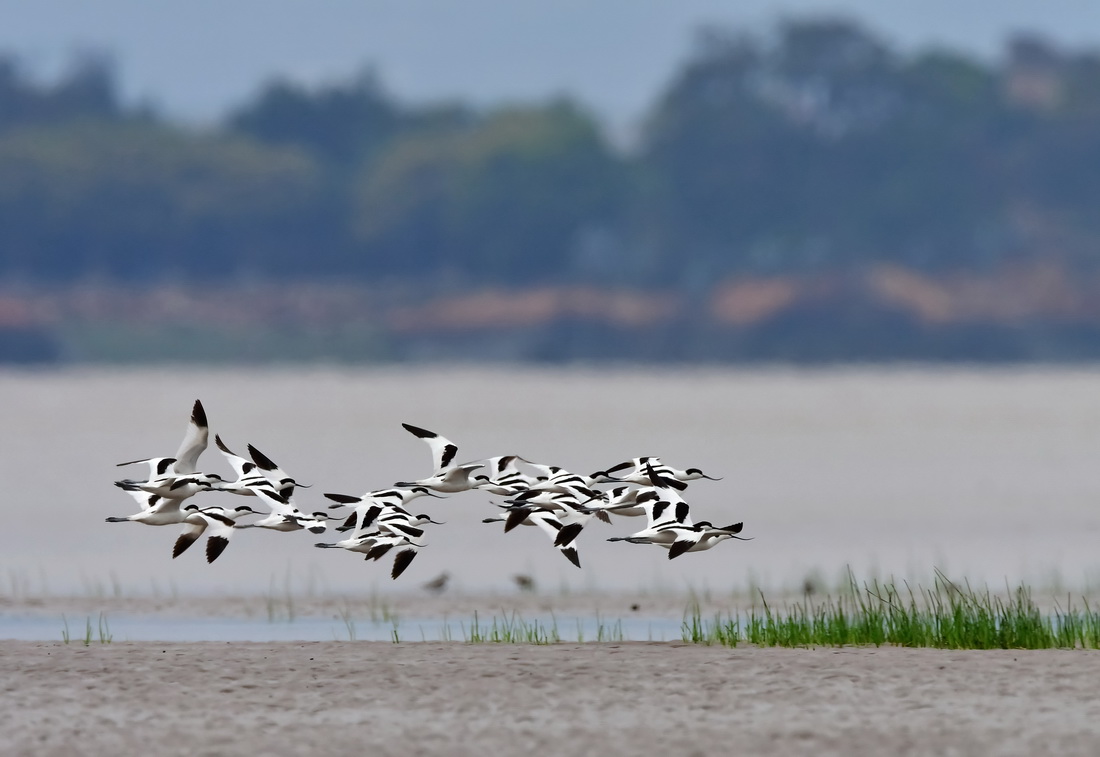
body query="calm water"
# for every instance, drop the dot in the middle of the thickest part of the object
(988, 474)
(120, 627)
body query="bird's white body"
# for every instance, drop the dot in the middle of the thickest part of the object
(678, 538)
(628, 501)
(218, 523)
(285, 515)
(550, 524)
(504, 478)
(450, 481)
(640, 470)
(376, 544)
(376, 503)
(176, 487)
(278, 477)
(177, 477)
(155, 510)
(250, 476)
(448, 476)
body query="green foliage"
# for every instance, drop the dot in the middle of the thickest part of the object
(511, 629)
(103, 628)
(827, 150)
(818, 147)
(946, 616)
(342, 123)
(505, 198)
(87, 91)
(132, 201)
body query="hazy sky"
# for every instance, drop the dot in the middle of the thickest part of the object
(195, 59)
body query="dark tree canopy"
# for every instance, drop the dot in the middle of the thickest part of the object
(816, 147)
(86, 91)
(341, 122)
(505, 199)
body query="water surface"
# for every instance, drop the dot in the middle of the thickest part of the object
(991, 474)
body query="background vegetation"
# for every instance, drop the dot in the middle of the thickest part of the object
(815, 150)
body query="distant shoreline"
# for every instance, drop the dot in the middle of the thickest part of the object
(1039, 314)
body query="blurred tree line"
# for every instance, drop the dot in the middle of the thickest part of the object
(815, 147)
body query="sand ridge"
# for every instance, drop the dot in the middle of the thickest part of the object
(609, 699)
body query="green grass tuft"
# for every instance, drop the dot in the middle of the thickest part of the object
(511, 629)
(946, 616)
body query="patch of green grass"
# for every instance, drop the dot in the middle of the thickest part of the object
(946, 616)
(281, 605)
(380, 610)
(104, 631)
(511, 629)
(613, 632)
(349, 622)
(105, 636)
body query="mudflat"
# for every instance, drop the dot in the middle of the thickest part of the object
(475, 699)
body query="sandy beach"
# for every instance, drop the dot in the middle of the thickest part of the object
(453, 698)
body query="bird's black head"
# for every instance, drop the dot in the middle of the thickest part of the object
(700, 474)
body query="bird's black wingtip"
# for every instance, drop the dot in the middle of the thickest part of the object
(572, 556)
(678, 548)
(262, 461)
(401, 562)
(198, 414)
(423, 433)
(567, 534)
(215, 545)
(182, 543)
(344, 499)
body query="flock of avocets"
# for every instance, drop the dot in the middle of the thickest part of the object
(548, 497)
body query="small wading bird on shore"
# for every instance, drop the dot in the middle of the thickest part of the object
(547, 497)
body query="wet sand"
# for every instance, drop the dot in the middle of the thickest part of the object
(609, 699)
